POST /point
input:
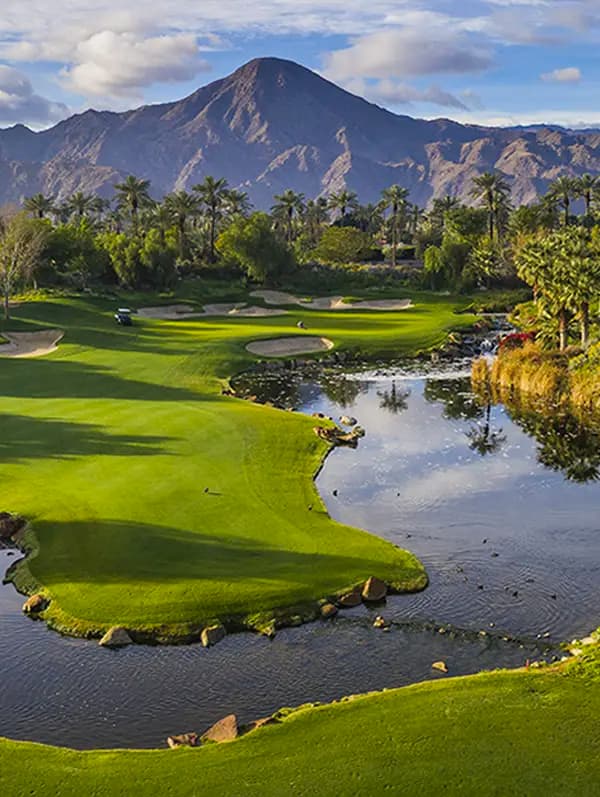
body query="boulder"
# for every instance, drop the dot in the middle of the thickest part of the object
(374, 590)
(262, 722)
(183, 740)
(380, 622)
(37, 603)
(212, 634)
(116, 637)
(348, 420)
(440, 666)
(328, 610)
(225, 730)
(350, 599)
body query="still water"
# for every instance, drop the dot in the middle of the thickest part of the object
(503, 512)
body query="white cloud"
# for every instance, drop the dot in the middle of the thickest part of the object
(570, 74)
(405, 52)
(396, 93)
(110, 64)
(19, 102)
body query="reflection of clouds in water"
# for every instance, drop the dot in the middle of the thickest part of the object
(467, 478)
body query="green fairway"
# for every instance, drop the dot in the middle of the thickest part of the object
(507, 733)
(159, 504)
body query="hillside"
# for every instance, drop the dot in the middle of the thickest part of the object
(274, 124)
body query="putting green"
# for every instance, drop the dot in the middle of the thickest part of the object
(159, 504)
(507, 733)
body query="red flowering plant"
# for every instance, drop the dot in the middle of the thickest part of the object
(516, 340)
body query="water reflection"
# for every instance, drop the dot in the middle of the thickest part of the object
(483, 439)
(394, 399)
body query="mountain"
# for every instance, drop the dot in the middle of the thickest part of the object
(273, 125)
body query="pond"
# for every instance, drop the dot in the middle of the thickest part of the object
(503, 511)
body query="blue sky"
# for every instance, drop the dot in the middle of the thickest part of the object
(482, 61)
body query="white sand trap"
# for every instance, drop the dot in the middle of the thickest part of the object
(242, 310)
(332, 302)
(30, 344)
(169, 312)
(287, 347)
(179, 312)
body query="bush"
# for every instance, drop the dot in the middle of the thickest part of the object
(344, 245)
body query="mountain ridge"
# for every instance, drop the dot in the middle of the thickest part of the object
(274, 124)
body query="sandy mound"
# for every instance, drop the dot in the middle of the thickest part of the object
(286, 347)
(179, 312)
(169, 312)
(241, 310)
(30, 344)
(332, 302)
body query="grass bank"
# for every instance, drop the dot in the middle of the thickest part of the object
(158, 504)
(529, 732)
(530, 373)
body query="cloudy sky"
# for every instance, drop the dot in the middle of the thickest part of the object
(489, 61)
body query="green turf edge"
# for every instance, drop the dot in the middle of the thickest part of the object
(264, 621)
(521, 732)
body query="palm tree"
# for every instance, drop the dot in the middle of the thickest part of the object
(161, 220)
(288, 205)
(440, 207)
(213, 195)
(396, 198)
(369, 218)
(39, 204)
(182, 206)
(343, 201)
(561, 192)
(237, 203)
(492, 191)
(80, 204)
(133, 194)
(586, 187)
(315, 215)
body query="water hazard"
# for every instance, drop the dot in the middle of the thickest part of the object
(503, 512)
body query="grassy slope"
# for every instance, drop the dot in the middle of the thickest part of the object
(518, 733)
(109, 443)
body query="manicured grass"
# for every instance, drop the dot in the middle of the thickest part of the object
(507, 733)
(157, 503)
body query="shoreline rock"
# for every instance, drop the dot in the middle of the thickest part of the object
(212, 634)
(225, 730)
(116, 637)
(374, 590)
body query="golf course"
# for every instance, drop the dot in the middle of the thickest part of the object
(158, 504)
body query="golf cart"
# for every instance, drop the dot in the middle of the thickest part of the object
(123, 317)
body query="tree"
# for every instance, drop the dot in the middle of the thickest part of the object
(586, 187)
(237, 203)
(288, 205)
(21, 244)
(343, 245)
(492, 191)
(251, 244)
(563, 267)
(80, 204)
(182, 206)
(314, 217)
(396, 199)
(39, 205)
(132, 195)
(560, 194)
(440, 207)
(213, 195)
(342, 201)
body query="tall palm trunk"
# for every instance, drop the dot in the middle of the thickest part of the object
(585, 324)
(563, 328)
(394, 234)
(213, 225)
(567, 202)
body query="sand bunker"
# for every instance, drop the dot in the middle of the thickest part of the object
(287, 347)
(169, 312)
(179, 312)
(332, 302)
(30, 344)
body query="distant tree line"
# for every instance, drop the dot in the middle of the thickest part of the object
(137, 242)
